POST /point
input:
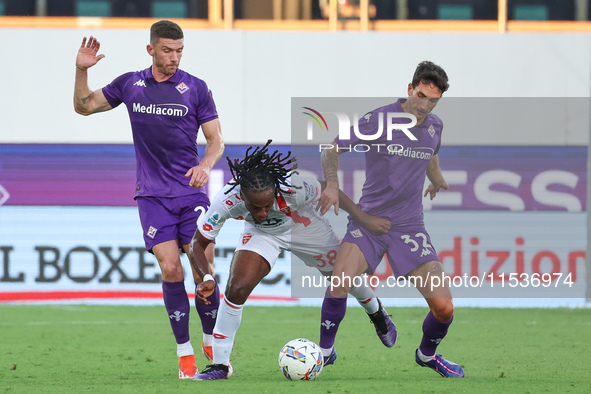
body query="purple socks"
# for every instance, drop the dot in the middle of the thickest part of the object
(433, 332)
(209, 313)
(333, 312)
(177, 305)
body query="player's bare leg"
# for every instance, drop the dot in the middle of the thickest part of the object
(246, 271)
(177, 304)
(437, 322)
(349, 263)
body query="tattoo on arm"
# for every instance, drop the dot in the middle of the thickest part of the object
(330, 165)
(85, 99)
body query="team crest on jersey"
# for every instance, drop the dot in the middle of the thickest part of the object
(286, 210)
(152, 232)
(356, 233)
(431, 131)
(246, 238)
(182, 87)
(367, 117)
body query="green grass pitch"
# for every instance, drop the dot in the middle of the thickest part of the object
(126, 349)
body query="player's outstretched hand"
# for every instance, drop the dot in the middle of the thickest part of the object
(199, 176)
(328, 198)
(375, 224)
(204, 290)
(87, 54)
(432, 189)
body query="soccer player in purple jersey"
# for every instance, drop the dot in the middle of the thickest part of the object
(395, 176)
(166, 107)
(279, 214)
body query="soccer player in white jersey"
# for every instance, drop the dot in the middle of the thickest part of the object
(393, 189)
(279, 214)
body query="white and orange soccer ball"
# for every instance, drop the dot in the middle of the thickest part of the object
(301, 359)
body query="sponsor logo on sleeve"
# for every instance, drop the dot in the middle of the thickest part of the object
(211, 221)
(246, 238)
(215, 218)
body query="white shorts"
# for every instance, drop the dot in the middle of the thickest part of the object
(316, 245)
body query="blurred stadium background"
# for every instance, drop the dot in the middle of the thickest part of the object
(514, 146)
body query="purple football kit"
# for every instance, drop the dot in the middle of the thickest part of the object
(165, 119)
(393, 189)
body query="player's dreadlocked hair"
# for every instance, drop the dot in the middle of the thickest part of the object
(260, 171)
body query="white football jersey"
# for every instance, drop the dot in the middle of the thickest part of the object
(290, 210)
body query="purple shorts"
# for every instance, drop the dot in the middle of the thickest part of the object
(165, 219)
(406, 247)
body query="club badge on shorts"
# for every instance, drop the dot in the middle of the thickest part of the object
(356, 233)
(152, 232)
(246, 238)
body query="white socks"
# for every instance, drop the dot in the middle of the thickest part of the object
(422, 357)
(366, 298)
(184, 349)
(326, 352)
(207, 339)
(224, 332)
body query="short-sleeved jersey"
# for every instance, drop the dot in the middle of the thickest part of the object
(290, 212)
(395, 170)
(165, 118)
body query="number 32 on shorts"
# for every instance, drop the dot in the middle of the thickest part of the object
(324, 260)
(414, 245)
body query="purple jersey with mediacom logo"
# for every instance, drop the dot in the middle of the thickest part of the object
(165, 118)
(395, 174)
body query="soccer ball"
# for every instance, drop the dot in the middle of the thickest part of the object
(301, 359)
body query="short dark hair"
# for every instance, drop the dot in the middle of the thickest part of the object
(165, 29)
(430, 73)
(260, 171)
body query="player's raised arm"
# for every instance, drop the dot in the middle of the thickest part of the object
(87, 102)
(330, 195)
(436, 177)
(214, 149)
